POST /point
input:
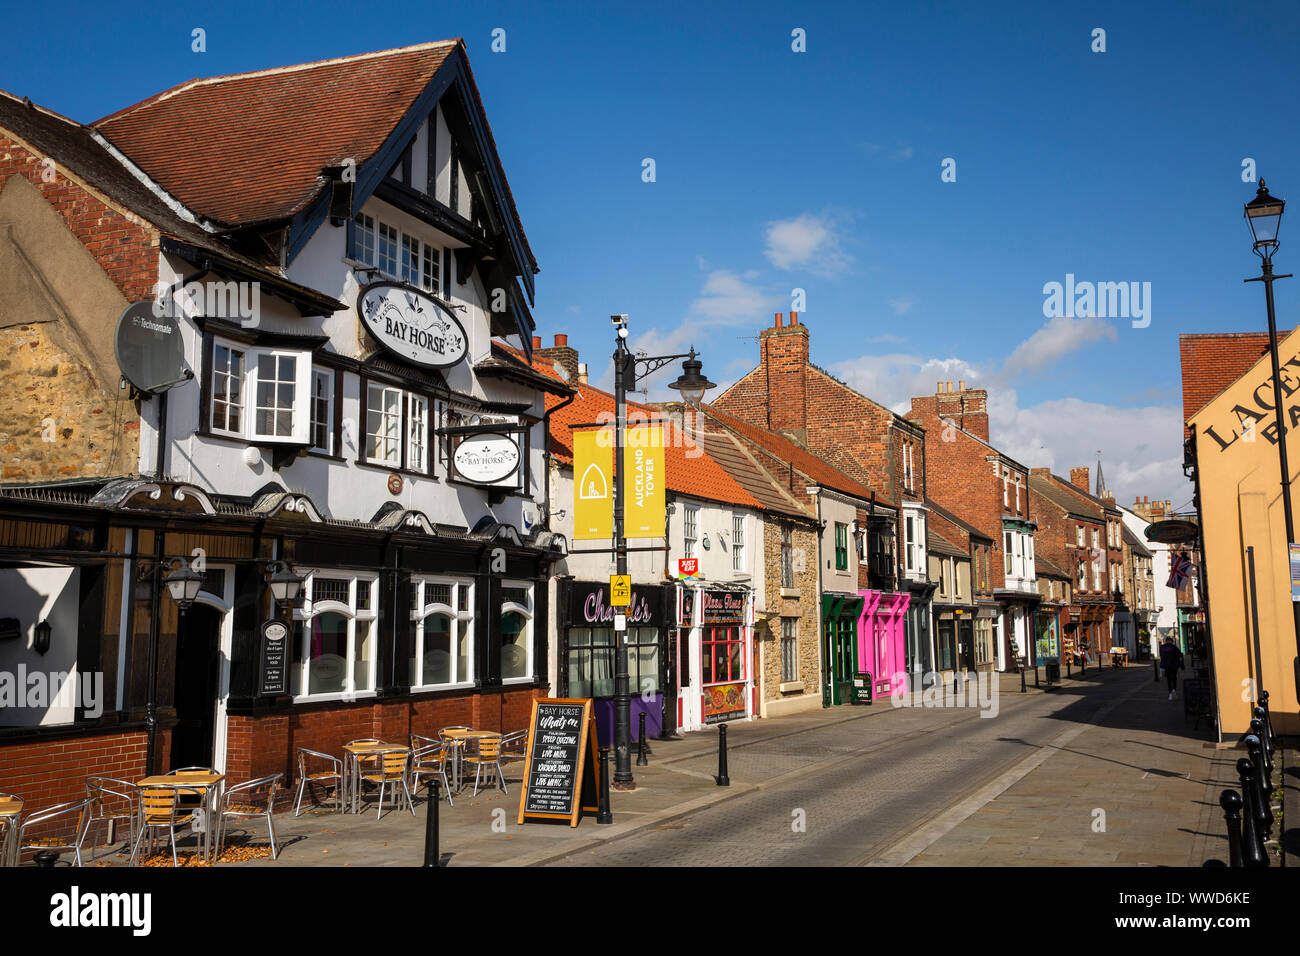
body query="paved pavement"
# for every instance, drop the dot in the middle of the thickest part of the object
(878, 785)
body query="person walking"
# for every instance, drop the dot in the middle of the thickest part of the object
(1171, 662)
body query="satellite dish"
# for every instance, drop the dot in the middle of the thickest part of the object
(149, 349)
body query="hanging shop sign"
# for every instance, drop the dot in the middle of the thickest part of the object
(273, 672)
(724, 607)
(486, 458)
(412, 325)
(590, 605)
(593, 477)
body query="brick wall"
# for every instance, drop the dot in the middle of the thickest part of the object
(804, 542)
(967, 408)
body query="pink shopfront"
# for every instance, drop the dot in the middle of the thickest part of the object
(882, 641)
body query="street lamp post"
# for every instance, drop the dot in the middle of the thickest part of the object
(1264, 216)
(692, 386)
(183, 584)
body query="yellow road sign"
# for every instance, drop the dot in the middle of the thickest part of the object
(620, 590)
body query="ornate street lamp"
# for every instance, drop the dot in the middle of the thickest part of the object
(692, 385)
(1264, 216)
(183, 583)
(285, 585)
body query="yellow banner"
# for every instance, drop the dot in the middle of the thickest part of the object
(643, 480)
(593, 481)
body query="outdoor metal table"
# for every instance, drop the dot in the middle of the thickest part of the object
(206, 784)
(458, 739)
(352, 768)
(11, 809)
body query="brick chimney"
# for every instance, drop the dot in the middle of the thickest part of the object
(562, 354)
(784, 351)
(582, 373)
(1079, 478)
(967, 408)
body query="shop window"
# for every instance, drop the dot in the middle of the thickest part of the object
(722, 650)
(516, 631)
(274, 383)
(444, 633)
(945, 645)
(334, 641)
(590, 661)
(841, 547)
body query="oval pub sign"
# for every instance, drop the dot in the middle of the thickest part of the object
(412, 325)
(486, 458)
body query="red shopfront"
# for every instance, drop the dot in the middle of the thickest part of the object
(715, 656)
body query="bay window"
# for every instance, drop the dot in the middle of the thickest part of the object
(275, 384)
(441, 609)
(516, 631)
(334, 640)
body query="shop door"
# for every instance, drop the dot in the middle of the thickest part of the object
(198, 661)
(966, 637)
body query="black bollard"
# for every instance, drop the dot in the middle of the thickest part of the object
(1036, 684)
(1068, 659)
(640, 744)
(1252, 840)
(1268, 718)
(1266, 737)
(431, 855)
(722, 779)
(1022, 678)
(1155, 666)
(45, 859)
(1263, 794)
(603, 814)
(956, 692)
(1230, 800)
(1257, 728)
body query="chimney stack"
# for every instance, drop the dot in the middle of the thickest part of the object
(563, 355)
(537, 341)
(966, 408)
(1079, 478)
(582, 373)
(783, 358)
(794, 318)
(780, 321)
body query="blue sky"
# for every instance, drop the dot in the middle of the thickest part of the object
(777, 170)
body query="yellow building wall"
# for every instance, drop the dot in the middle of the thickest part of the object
(1241, 506)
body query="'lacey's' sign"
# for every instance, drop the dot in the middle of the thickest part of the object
(412, 325)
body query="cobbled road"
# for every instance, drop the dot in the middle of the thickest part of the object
(856, 787)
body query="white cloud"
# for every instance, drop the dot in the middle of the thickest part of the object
(1057, 338)
(806, 241)
(892, 380)
(728, 296)
(901, 306)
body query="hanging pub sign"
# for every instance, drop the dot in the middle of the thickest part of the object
(486, 458)
(412, 325)
(273, 672)
(724, 607)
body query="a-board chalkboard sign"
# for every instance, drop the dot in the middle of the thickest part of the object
(273, 674)
(560, 777)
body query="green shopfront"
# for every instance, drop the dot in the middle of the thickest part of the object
(840, 614)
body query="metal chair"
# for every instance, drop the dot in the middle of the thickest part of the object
(9, 829)
(160, 809)
(391, 772)
(429, 759)
(359, 759)
(104, 795)
(323, 777)
(244, 801)
(53, 844)
(486, 753)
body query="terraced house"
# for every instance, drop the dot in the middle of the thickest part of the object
(334, 271)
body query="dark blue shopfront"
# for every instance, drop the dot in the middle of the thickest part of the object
(587, 653)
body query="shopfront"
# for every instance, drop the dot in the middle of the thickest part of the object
(882, 640)
(842, 659)
(1047, 639)
(588, 658)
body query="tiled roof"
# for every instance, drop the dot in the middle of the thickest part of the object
(1050, 488)
(74, 149)
(724, 448)
(940, 545)
(966, 526)
(508, 362)
(786, 450)
(1213, 361)
(690, 470)
(1046, 569)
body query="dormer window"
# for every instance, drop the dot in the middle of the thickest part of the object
(396, 254)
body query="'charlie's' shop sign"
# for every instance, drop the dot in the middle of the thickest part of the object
(412, 325)
(1255, 415)
(486, 458)
(589, 605)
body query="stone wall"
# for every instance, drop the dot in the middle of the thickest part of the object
(805, 693)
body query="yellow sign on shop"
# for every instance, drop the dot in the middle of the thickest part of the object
(643, 482)
(593, 481)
